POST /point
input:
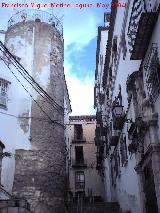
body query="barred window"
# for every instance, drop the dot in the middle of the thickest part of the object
(3, 93)
(79, 180)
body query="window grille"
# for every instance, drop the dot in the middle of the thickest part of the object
(152, 73)
(3, 93)
(79, 180)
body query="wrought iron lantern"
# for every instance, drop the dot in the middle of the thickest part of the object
(118, 117)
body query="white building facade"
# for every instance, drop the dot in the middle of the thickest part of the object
(130, 117)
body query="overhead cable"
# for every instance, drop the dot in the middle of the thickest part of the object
(29, 78)
(50, 119)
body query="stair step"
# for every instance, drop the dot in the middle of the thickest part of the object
(101, 207)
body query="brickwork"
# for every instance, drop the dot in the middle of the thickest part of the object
(40, 177)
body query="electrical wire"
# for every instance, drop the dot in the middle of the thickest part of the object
(27, 117)
(52, 121)
(29, 78)
(45, 97)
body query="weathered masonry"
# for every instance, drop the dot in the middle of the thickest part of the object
(35, 41)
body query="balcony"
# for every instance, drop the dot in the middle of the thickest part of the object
(99, 117)
(133, 146)
(132, 132)
(80, 185)
(79, 163)
(140, 29)
(99, 141)
(101, 98)
(130, 83)
(152, 73)
(100, 159)
(118, 117)
(79, 140)
(118, 122)
(114, 138)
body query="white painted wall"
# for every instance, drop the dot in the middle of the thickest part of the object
(126, 191)
(2, 35)
(11, 133)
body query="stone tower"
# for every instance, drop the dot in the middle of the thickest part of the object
(35, 38)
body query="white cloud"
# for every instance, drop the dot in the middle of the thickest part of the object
(80, 27)
(81, 93)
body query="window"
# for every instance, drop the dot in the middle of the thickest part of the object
(78, 132)
(124, 45)
(3, 93)
(101, 59)
(1, 152)
(110, 74)
(79, 180)
(123, 150)
(101, 98)
(79, 154)
(115, 45)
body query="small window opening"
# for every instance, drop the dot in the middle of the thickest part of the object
(78, 131)
(79, 154)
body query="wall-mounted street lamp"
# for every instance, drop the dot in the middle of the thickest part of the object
(119, 117)
(118, 111)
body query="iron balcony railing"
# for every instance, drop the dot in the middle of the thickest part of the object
(114, 137)
(141, 25)
(79, 140)
(137, 9)
(152, 73)
(80, 185)
(36, 15)
(79, 163)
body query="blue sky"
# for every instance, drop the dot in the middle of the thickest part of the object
(80, 36)
(84, 60)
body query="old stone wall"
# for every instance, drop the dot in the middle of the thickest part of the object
(40, 177)
(40, 172)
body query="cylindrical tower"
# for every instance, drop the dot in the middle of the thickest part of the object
(35, 37)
